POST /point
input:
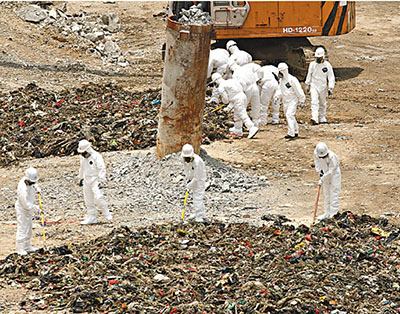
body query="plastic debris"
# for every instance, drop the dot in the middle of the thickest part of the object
(112, 118)
(208, 269)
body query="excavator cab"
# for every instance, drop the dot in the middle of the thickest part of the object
(276, 31)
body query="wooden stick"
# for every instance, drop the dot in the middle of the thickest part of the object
(316, 205)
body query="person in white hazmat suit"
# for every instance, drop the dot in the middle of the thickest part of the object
(24, 207)
(231, 93)
(292, 94)
(327, 165)
(196, 176)
(218, 62)
(92, 172)
(320, 82)
(270, 92)
(240, 57)
(247, 76)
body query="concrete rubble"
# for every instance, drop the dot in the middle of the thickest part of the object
(95, 33)
(194, 15)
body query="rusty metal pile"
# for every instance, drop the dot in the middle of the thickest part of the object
(348, 264)
(39, 123)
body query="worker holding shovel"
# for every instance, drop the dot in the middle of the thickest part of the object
(327, 165)
(195, 172)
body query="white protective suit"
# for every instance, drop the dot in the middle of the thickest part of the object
(320, 78)
(93, 171)
(231, 93)
(218, 62)
(247, 76)
(196, 176)
(240, 57)
(24, 207)
(331, 182)
(270, 92)
(292, 94)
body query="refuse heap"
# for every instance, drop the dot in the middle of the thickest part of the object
(38, 123)
(349, 264)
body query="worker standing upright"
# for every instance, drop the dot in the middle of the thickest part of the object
(292, 94)
(24, 207)
(195, 171)
(320, 82)
(327, 165)
(92, 172)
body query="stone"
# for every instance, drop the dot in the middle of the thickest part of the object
(96, 36)
(32, 13)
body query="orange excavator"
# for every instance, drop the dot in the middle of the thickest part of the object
(275, 31)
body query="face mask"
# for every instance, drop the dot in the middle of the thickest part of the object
(188, 159)
(29, 183)
(320, 60)
(324, 156)
(280, 75)
(85, 154)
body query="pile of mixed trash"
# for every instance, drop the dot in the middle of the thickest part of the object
(38, 123)
(348, 264)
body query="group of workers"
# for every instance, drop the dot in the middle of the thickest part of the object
(242, 84)
(239, 83)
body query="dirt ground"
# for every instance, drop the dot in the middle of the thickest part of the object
(364, 114)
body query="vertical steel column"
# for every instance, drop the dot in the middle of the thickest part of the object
(183, 87)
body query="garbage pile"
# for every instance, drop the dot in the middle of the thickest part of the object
(38, 123)
(194, 15)
(349, 264)
(95, 33)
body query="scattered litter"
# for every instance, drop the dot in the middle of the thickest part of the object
(222, 268)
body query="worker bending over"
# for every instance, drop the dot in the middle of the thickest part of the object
(218, 62)
(240, 57)
(327, 165)
(231, 93)
(269, 92)
(247, 76)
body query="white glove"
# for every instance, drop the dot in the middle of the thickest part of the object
(38, 189)
(227, 109)
(213, 100)
(320, 182)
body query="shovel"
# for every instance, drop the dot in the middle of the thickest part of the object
(42, 220)
(184, 205)
(316, 205)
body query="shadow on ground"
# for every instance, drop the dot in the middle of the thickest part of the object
(343, 74)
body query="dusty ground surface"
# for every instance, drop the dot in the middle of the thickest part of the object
(364, 115)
